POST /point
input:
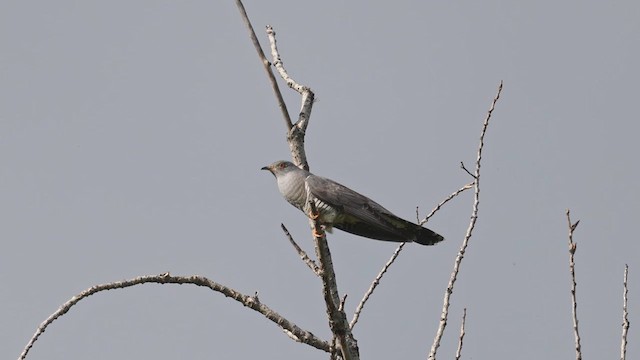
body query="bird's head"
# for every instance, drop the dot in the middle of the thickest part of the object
(280, 167)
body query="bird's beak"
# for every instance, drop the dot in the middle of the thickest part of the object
(267, 168)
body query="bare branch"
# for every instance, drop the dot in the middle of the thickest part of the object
(441, 204)
(466, 170)
(279, 65)
(574, 308)
(249, 301)
(625, 316)
(396, 253)
(461, 337)
(303, 255)
(337, 317)
(295, 137)
(266, 64)
(342, 302)
(374, 284)
(465, 242)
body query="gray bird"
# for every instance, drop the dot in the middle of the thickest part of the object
(345, 209)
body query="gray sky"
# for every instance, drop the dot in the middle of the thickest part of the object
(131, 134)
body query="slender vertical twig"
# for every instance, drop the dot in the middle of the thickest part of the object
(249, 301)
(625, 316)
(296, 134)
(472, 223)
(574, 304)
(461, 337)
(267, 65)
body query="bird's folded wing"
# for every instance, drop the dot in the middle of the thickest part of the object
(359, 214)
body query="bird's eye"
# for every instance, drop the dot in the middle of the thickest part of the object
(282, 165)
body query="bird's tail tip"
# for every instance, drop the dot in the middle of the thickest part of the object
(428, 237)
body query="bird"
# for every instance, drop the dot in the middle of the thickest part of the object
(340, 207)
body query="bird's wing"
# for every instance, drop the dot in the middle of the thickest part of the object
(359, 214)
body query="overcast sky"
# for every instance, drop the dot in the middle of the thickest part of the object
(132, 134)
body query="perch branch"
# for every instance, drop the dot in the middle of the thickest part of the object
(295, 138)
(249, 301)
(472, 223)
(337, 317)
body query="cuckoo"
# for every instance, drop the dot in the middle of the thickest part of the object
(340, 207)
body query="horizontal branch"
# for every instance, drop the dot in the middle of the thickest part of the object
(249, 301)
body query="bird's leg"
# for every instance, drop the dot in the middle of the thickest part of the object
(314, 215)
(318, 229)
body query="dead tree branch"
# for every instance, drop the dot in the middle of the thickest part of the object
(574, 304)
(472, 223)
(461, 337)
(374, 285)
(251, 302)
(295, 138)
(267, 66)
(394, 256)
(625, 315)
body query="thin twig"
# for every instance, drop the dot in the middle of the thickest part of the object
(374, 284)
(267, 66)
(441, 204)
(295, 137)
(303, 255)
(396, 253)
(574, 304)
(472, 223)
(249, 301)
(461, 337)
(465, 169)
(625, 316)
(337, 317)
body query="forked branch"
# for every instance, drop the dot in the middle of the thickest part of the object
(472, 223)
(394, 256)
